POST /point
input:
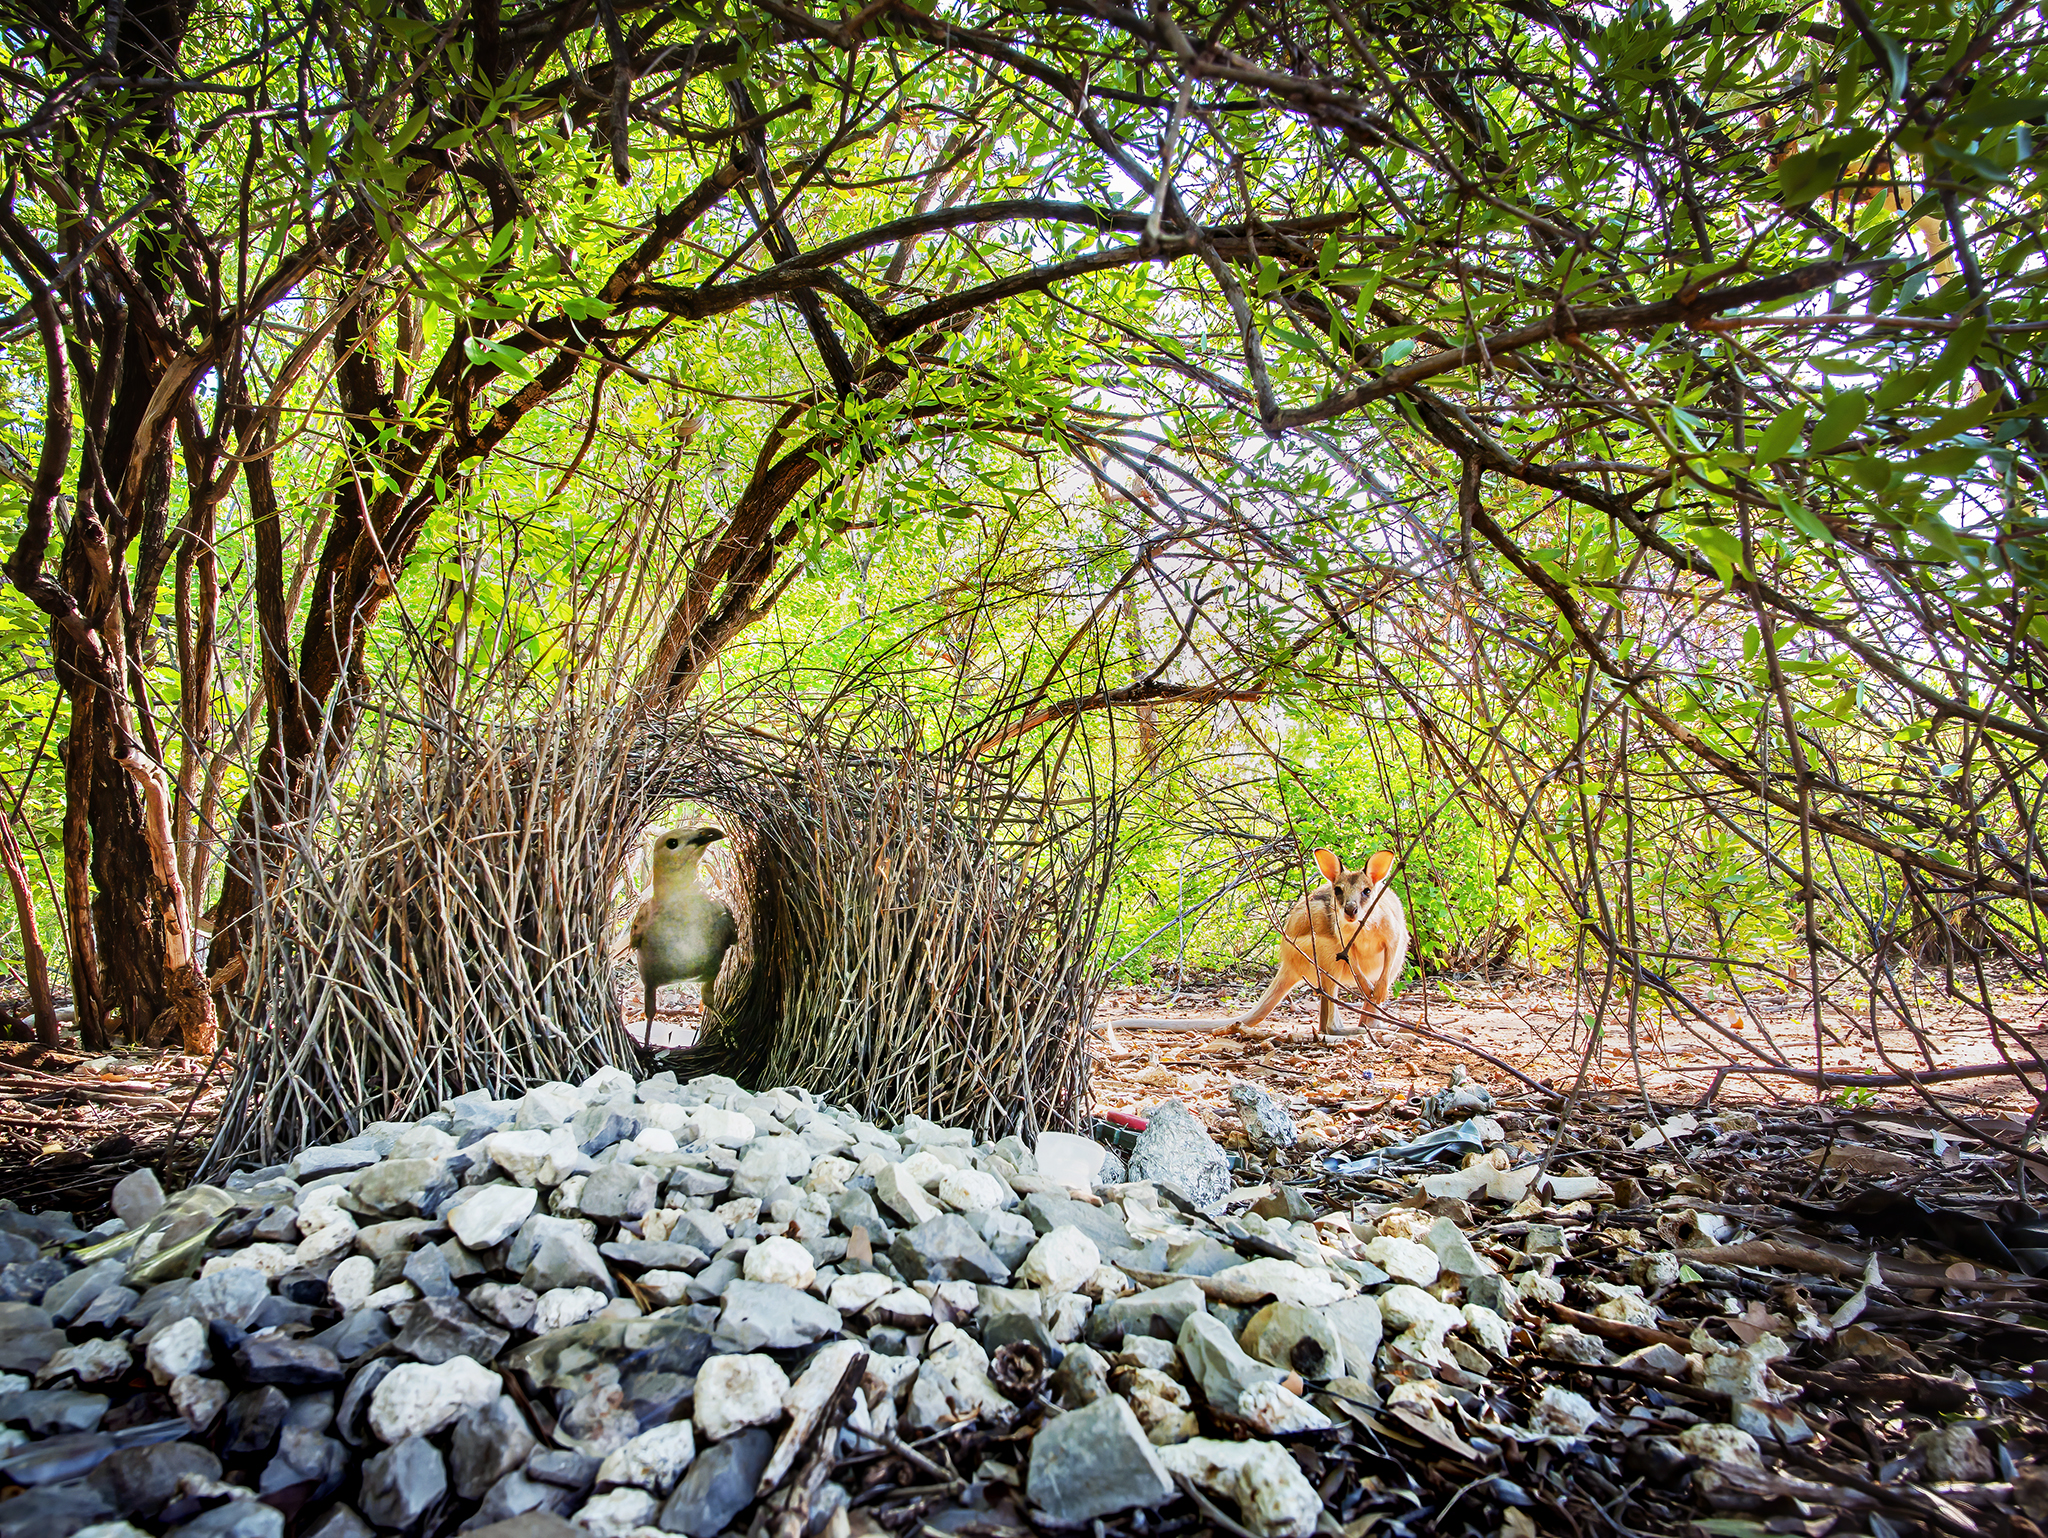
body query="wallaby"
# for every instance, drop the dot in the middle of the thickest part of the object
(681, 931)
(1350, 929)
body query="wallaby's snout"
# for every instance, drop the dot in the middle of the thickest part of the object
(1351, 892)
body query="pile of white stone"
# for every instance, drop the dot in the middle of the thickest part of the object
(684, 1308)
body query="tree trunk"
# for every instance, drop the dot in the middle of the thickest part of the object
(33, 962)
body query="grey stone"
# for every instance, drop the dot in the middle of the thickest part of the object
(491, 1214)
(57, 1512)
(254, 1418)
(297, 1363)
(946, 1249)
(1494, 1291)
(1047, 1212)
(1005, 1329)
(719, 1485)
(463, 1263)
(377, 1240)
(1359, 1327)
(531, 1524)
(339, 1521)
(57, 1458)
(434, 1329)
(106, 1310)
(1094, 1461)
(764, 1316)
(566, 1260)
(617, 1192)
(332, 1159)
(1159, 1312)
(27, 1350)
(14, 1248)
(360, 1332)
(692, 1180)
(67, 1299)
(1454, 1251)
(142, 1481)
(402, 1484)
(27, 1280)
(768, 1162)
(535, 1231)
(1174, 1148)
(504, 1303)
(514, 1497)
(657, 1397)
(427, 1269)
(1202, 1256)
(854, 1208)
(598, 1127)
(1267, 1125)
(1009, 1234)
(653, 1255)
(1081, 1378)
(305, 1457)
(1217, 1367)
(47, 1412)
(575, 1357)
(712, 1281)
(234, 1295)
(280, 1225)
(312, 1412)
(237, 1519)
(355, 1400)
(489, 1442)
(565, 1468)
(403, 1188)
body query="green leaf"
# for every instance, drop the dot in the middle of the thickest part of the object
(2001, 111)
(1809, 173)
(1897, 67)
(1806, 521)
(1949, 424)
(1777, 439)
(1722, 549)
(1960, 349)
(1949, 462)
(1841, 417)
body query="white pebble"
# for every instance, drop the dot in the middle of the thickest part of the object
(350, 1284)
(735, 1392)
(1061, 1261)
(781, 1261)
(560, 1307)
(861, 1290)
(418, 1400)
(178, 1349)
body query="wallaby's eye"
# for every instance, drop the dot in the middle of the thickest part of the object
(675, 843)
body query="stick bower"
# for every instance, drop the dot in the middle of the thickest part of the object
(915, 932)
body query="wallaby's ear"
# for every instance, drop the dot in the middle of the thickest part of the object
(1378, 867)
(1328, 863)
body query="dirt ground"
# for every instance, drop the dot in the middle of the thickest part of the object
(72, 1124)
(1489, 1026)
